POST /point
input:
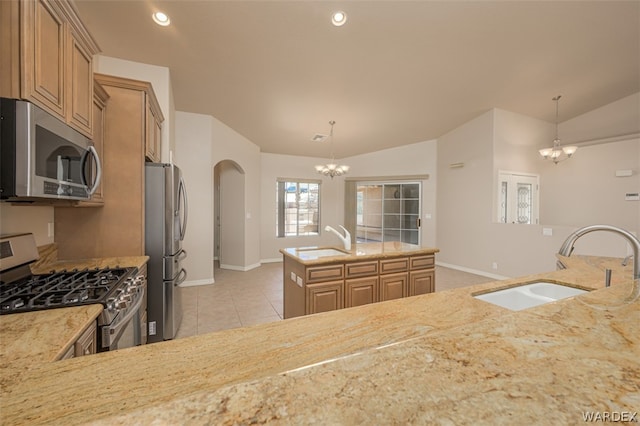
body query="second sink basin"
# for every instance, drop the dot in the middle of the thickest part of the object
(529, 295)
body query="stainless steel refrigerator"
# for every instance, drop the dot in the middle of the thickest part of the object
(166, 214)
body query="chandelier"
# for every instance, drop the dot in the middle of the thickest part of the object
(557, 153)
(332, 169)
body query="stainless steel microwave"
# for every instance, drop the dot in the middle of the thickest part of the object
(43, 157)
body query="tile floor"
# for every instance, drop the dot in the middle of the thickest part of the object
(239, 299)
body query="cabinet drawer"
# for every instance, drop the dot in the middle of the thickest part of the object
(361, 269)
(422, 262)
(325, 273)
(388, 266)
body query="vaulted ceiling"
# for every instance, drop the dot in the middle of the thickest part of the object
(398, 72)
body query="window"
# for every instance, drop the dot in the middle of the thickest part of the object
(298, 208)
(388, 211)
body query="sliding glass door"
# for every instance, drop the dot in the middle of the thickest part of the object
(388, 211)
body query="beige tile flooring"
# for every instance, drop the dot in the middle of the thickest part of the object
(239, 299)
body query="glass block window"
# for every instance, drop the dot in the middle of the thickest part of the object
(298, 208)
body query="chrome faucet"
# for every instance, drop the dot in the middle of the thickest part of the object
(346, 239)
(567, 246)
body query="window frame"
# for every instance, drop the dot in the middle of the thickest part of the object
(282, 185)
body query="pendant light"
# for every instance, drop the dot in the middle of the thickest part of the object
(332, 169)
(557, 153)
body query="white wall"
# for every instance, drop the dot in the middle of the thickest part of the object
(276, 166)
(203, 141)
(15, 219)
(160, 79)
(574, 193)
(231, 182)
(194, 151)
(414, 159)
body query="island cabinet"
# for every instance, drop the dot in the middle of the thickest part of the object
(48, 59)
(336, 284)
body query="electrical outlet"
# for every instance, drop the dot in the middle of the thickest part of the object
(299, 281)
(293, 276)
(494, 265)
(152, 328)
(50, 230)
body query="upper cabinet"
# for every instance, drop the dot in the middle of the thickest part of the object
(50, 59)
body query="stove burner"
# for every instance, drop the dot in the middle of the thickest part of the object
(61, 289)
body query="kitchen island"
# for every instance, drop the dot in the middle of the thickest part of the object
(444, 357)
(322, 279)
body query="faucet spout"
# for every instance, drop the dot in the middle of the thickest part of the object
(567, 246)
(346, 239)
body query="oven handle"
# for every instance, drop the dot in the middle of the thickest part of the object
(107, 332)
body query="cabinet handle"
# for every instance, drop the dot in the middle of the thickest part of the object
(418, 221)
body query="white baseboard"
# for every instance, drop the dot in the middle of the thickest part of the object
(194, 283)
(272, 260)
(239, 268)
(472, 271)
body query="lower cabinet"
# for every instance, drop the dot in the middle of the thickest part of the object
(393, 286)
(324, 297)
(85, 345)
(361, 291)
(421, 282)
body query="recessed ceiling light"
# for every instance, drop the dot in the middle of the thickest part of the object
(161, 18)
(338, 18)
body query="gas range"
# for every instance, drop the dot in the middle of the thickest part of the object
(110, 287)
(119, 290)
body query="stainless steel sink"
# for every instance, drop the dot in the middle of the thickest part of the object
(528, 295)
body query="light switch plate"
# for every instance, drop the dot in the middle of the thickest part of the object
(547, 232)
(299, 281)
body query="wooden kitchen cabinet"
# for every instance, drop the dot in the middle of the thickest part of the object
(360, 291)
(48, 59)
(117, 228)
(393, 286)
(154, 132)
(324, 297)
(316, 288)
(421, 282)
(85, 345)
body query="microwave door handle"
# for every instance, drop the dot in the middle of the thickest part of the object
(183, 190)
(98, 170)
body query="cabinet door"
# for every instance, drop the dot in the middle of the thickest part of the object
(324, 297)
(421, 282)
(154, 134)
(361, 291)
(86, 344)
(80, 84)
(393, 286)
(43, 50)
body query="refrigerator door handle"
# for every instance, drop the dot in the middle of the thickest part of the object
(182, 190)
(182, 254)
(182, 277)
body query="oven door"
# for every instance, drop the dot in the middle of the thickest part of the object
(128, 331)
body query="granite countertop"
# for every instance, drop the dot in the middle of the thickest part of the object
(443, 357)
(358, 252)
(94, 263)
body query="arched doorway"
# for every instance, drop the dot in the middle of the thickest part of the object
(228, 210)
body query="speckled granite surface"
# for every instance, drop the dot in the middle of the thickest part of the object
(360, 252)
(439, 358)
